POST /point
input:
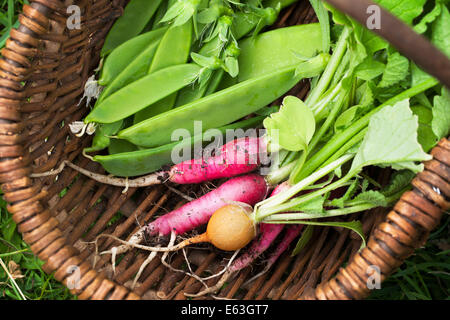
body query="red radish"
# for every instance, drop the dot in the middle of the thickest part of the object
(291, 233)
(268, 234)
(236, 157)
(248, 189)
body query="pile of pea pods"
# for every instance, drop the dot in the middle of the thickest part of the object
(169, 63)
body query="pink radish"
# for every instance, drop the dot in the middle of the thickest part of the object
(248, 189)
(236, 157)
(268, 234)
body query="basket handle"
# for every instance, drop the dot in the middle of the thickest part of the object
(411, 44)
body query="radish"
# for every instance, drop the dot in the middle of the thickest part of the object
(268, 234)
(246, 190)
(236, 157)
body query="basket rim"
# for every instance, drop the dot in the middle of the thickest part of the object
(412, 218)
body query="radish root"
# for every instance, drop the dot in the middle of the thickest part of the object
(144, 181)
(214, 288)
(151, 256)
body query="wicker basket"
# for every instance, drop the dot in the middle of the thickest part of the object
(42, 75)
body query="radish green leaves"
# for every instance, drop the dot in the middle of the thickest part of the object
(293, 126)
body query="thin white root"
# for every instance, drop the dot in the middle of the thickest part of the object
(181, 194)
(144, 181)
(266, 268)
(173, 237)
(113, 259)
(177, 247)
(49, 173)
(227, 273)
(126, 245)
(151, 256)
(127, 186)
(214, 288)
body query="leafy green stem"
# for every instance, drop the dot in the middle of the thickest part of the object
(327, 75)
(342, 138)
(271, 205)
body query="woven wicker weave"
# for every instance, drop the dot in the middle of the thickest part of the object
(42, 75)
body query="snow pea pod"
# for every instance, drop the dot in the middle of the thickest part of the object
(101, 139)
(120, 146)
(135, 163)
(135, 70)
(121, 56)
(135, 17)
(222, 107)
(173, 50)
(274, 50)
(142, 93)
(277, 49)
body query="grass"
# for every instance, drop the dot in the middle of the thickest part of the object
(424, 276)
(21, 274)
(8, 17)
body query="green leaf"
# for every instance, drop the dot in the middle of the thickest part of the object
(364, 94)
(370, 69)
(340, 202)
(431, 16)
(338, 16)
(181, 11)
(441, 115)
(441, 31)
(293, 126)
(232, 66)
(8, 229)
(418, 75)
(345, 119)
(406, 10)
(397, 69)
(399, 181)
(373, 197)
(355, 226)
(312, 206)
(391, 140)
(208, 15)
(426, 137)
(303, 241)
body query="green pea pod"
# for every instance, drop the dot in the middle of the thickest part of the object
(278, 49)
(101, 139)
(135, 17)
(174, 47)
(195, 92)
(142, 93)
(155, 23)
(120, 146)
(222, 107)
(135, 70)
(121, 56)
(135, 163)
(274, 50)
(173, 50)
